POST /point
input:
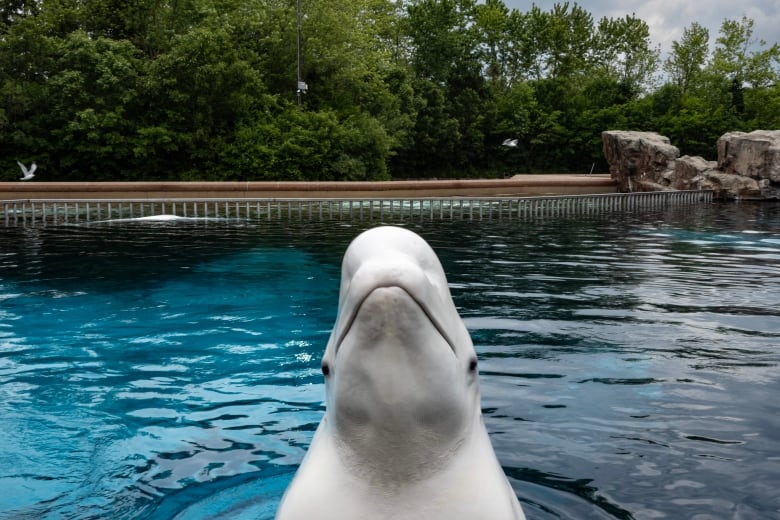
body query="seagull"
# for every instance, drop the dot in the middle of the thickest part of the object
(510, 143)
(28, 174)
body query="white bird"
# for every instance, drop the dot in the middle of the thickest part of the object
(510, 143)
(28, 174)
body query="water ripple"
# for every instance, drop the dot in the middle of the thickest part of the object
(627, 367)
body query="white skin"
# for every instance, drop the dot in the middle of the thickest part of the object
(402, 436)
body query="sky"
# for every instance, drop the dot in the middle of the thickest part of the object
(668, 18)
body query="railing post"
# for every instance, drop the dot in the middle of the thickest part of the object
(489, 208)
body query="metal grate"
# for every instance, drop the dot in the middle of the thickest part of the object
(42, 211)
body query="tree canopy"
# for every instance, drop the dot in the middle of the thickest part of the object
(206, 89)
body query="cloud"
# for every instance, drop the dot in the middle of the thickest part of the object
(667, 18)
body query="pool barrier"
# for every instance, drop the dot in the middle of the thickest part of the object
(74, 211)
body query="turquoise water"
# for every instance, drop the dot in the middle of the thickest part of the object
(629, 366)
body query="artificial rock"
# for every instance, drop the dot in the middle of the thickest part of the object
(748, 165)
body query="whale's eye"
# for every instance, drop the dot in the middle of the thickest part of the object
(325, 369)
(473, 365)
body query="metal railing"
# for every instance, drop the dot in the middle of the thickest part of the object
(74, 211)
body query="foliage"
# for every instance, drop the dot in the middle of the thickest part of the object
(205, 89)
(686, 61)
(735, 56)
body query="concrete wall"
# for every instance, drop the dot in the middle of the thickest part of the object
(520, 185)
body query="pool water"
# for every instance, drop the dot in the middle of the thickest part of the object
(629, 365)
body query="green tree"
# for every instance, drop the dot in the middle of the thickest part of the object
(688, 57)
(11, 11)
(567, 41)
(624, 51)
(454, 105)
(762, 108)
(198, 92)
(492, 19)
(434, 137)
(290, 143)
(93, 95)
(110, 89)
(695, 124)
(736, 57)
(558, 43)
(444, 38)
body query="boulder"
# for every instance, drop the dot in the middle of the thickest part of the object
(639, 161)
(688, 170)
(755, 154)
(748, 165)
(729, 186)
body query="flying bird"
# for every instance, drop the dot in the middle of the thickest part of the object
(510, 143)
(28, 174)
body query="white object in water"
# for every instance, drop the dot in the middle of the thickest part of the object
(160, 218)
(403, 435)
(28, 173)
(155, 218)
(510, 143)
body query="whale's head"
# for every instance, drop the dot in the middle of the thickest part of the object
(400, 367)
(402, 436)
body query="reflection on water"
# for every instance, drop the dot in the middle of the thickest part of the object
(171, 370)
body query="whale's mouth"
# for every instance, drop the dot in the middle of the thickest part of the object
(426, 309)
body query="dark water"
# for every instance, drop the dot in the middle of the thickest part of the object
(629, 366)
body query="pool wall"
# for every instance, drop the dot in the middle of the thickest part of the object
(519, 185)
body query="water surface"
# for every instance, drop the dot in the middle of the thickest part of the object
(171, 370)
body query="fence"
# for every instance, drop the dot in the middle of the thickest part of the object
(13, 212)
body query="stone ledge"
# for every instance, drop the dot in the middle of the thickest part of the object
(519, 185)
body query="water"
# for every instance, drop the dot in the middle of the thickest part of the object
(629, 366)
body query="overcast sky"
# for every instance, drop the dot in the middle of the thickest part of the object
(668, 18)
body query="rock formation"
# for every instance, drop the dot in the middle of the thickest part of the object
(639, 161)
(687, 170)
(748, 165)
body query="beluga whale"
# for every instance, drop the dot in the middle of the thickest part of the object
(402, 436)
